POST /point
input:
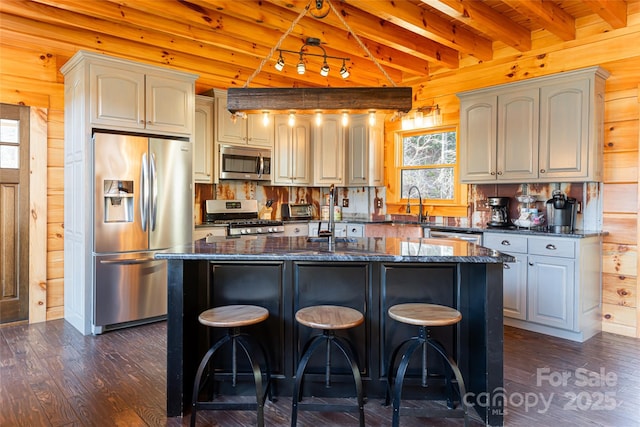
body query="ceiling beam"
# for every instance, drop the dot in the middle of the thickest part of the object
(550, 16)
(613, 12)
(337, 42)
(421, 21)
(382, 31)
(483, 18)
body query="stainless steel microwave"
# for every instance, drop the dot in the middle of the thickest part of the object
(246, 163)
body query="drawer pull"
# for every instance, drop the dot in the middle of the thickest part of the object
(531, 264)
(551, 247)
(505, 243)
(506, 266)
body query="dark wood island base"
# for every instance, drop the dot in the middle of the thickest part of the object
(285, 274)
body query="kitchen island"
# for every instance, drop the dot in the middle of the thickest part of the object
(284, 274)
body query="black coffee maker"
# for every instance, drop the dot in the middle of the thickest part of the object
(561, 213)
(499, 211)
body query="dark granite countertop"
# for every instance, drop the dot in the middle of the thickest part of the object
(270, 247)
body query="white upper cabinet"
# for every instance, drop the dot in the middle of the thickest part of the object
(365, 151)
(547, 129)
(203, 165)
(292, 152)
(128, 96)
(251, 131)
(328, 148)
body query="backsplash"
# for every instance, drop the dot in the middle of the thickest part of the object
(362, 200)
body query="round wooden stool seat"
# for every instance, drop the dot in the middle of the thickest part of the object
(425, 314)
(329, 317)
(233, 316)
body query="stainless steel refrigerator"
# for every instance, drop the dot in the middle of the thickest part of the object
(142, 203)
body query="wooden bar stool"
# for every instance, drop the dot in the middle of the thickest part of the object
(424, 316)
(233, 317)
(328, 318)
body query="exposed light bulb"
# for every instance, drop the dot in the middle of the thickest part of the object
(345, 118)
(265, 118)
(343, 71)
(292, 119)
(318, 118)
(437, 116)
(280, 63)
(417, 119)
(372, 118)
(324, 71)
(301, 67)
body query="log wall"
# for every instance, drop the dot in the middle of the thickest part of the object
(29, 75)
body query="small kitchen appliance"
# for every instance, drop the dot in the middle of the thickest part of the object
(297, 211)
(240, 217)
(245, 163)
(499, 211)
(561, 213)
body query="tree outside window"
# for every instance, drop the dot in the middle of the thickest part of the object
(428, 161)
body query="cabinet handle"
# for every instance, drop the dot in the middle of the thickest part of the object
(505, 243)
(297, 230)
(543, 171)
(551, 247)
(353, 230)
(506, 266)
(531, 264)
(492, 173)
(499, 172)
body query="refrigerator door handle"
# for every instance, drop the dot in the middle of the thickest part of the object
(154, 193)
(128, 261)
(144, 193)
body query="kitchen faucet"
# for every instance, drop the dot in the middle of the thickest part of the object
(330, 232)
(419, 201)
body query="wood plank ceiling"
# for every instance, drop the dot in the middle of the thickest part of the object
(226, 41)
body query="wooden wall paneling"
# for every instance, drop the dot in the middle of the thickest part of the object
(55, 296)
(55, 236)
(618, 319)
(637, 319)
(55, 211)
(619, 289)
(38, 216)
(620, 167)
(623, 108)
(620, 228)
(55, 264)
(621, 136)
(619, 259)
(620, 198)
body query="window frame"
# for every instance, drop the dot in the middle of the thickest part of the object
(435, 207)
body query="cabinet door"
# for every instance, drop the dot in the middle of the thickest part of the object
(169, 105)
(203, 140)
(297, 229)
(292, 151)
(328, 158)
(229, 130)
(259, 133)
(551, 291)
(117, 97)
(355, 230)
(514, 282)
(517, 150)
(564, 130)
(478, 122)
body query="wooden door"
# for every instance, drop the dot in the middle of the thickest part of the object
(14, 213)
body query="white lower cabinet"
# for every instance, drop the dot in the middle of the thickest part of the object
(554, 286)
(203, 232)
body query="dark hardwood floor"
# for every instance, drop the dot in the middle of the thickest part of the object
(51, 375)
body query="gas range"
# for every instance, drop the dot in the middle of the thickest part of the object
(240, 217)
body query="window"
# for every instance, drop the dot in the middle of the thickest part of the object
(427, 160)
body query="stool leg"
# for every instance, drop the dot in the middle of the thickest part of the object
(297, 389)
(456, 371)
(198, 378)
(346, 350)
(257, 377)
(392, 362)
(402, 370)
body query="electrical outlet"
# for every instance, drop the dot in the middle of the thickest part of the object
(345, 203)
(378, 202)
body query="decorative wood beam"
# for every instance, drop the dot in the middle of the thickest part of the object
(483, 18)
(367, 25)
(420, 21)
(329, 100)
(613, 12)
(553, 18)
